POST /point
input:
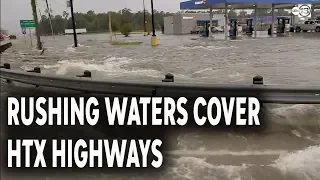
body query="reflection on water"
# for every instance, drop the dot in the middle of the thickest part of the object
(288, 149)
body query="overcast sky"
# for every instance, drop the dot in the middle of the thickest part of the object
(14, 10)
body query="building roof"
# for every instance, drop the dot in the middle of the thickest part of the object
(244, 4)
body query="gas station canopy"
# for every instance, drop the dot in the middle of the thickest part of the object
(245, 4)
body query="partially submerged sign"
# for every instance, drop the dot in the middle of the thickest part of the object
(27, 24)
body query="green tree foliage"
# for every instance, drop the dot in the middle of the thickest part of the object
(126, 29)
(99, 22)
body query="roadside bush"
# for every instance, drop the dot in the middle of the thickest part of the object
(126, 29)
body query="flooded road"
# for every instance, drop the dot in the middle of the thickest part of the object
(286, 60)
(288, 149)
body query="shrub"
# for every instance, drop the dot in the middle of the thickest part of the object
(126, 29)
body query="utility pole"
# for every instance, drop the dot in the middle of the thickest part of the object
(50, 18)
(73, 25)
(35, 17)
(154, 40)
(144, 19)
(110, 27)
(153, 30)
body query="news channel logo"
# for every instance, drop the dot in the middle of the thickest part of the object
(201, 2)
(302, 11)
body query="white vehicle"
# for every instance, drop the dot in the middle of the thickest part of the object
(310, 25)
(217, 29)
(78, 31)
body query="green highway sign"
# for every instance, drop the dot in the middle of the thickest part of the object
(28, 24)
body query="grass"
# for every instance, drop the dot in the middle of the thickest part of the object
(118, 43)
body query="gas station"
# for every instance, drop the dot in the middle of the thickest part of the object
(231, 27)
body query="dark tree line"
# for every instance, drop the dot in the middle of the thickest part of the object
(99, 22)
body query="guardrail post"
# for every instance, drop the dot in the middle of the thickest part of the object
(85, 74)
(6, 66)
(258, 79)
(35, 70)
(168, 78)
(154, 92)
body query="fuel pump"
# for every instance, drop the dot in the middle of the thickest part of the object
(233, 28)
(205, 31)
(283, 25)
(249, 29)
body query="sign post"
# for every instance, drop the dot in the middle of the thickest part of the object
(27, 24)
(73, 25)
(24, 32)
(30, 37)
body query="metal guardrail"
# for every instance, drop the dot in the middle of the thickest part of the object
(167, 88)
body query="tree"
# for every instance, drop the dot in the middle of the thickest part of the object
(126, 29)
(99, 22)
(35, 17)
(65, 14)
(114, 27)
(58, 24)
(47, 11)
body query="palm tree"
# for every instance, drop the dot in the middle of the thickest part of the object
(65, 14)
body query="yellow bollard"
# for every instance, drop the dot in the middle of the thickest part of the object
(154, 41)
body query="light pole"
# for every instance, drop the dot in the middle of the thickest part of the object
(144, 20)
(154, 40)
(73, 25)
